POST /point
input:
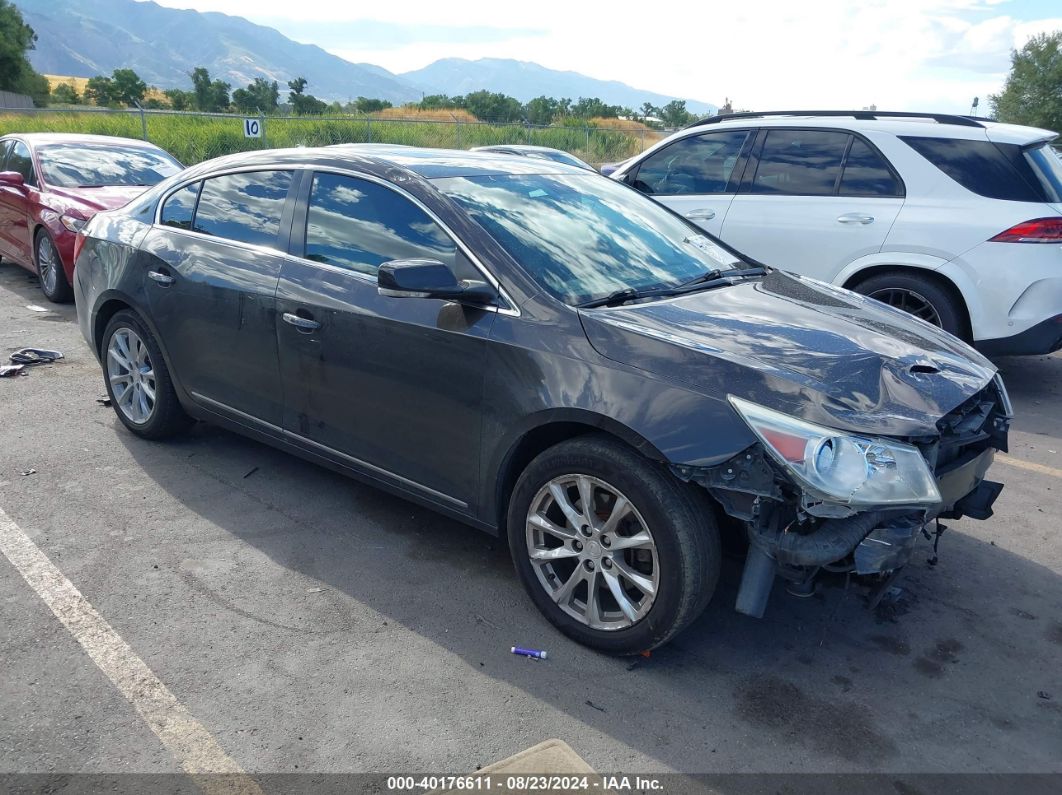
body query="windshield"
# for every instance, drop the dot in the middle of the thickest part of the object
(583, 237)
(1048, 166)
(81, 166)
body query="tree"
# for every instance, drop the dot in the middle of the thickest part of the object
(100, 91)
(541, 110)
(261, 96)
(129, 89)
(16, 40)
(674, 113)
(179, 99)
(491, 106)
(304, 104)
(65, 94)
(210, 96)
(441, 102)
(592, 107)
(1032, 94)
(365, 105)
(649, 109)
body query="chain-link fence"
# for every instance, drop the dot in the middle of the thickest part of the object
(193, 137)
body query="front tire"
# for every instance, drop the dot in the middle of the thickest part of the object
(138, 381)
(614, 550)
(50, 271)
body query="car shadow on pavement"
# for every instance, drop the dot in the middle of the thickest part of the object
(956, 670)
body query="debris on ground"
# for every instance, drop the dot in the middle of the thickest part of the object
(590, 703)
(35, 308)
(250, 472)
(316, 590)
(1044, 695)
(30, 471)
(8, 370)
(533, 654)
(35, 356)
(103, 401)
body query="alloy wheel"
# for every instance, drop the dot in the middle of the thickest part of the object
(47, 264)
(131, 376)
(592, 552)
(909, 301)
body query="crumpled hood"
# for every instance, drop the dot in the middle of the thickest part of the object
(800, 346)
(89, 201)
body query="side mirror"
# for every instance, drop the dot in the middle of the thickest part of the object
(429, 278)
(12, 179)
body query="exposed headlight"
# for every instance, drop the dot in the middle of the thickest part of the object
(839, 467)
(72, 223)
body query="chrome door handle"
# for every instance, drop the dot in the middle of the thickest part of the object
(302, 323)
(162, 278)
(701, 214)
(855, 218)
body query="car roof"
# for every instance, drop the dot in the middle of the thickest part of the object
(44, 138)
(516, 148)
(379, 159)
(914, 125)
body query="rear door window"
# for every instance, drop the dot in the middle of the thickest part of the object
(992, 170)
(697, 165)
(178, 209)
(244, 207)
(867, 174)
(800, 162)
(356, 224)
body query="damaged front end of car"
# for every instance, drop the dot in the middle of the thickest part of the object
(815, 499)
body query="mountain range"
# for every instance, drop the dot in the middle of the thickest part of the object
(163, 45)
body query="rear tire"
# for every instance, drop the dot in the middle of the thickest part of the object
(920, 296)
(653, 567)
(138, 381)
(50, 270)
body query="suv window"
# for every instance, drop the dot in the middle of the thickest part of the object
(800, 162)
(995, 171)
(20, 160)
(356, 224)
(179, 207)
(866, 173)
(4, 146)
(698, 164)
(243, 207)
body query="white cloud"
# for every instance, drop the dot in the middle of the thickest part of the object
(902, 54)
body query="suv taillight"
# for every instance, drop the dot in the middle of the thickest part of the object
(1039, 230)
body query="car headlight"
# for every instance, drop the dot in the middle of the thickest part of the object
(840, 467)
(73, 223)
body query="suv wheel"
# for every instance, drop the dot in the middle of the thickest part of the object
(138, 381)
(50, 269)
(922, 297)
(615, 552)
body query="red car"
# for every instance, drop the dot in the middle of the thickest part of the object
(52, 184)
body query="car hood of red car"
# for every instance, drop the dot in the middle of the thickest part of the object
(90, 201)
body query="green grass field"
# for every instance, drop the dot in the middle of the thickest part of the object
(193, 138)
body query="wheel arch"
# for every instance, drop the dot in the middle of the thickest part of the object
(544, 431)
(853, 281)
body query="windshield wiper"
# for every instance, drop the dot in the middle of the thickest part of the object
(717, 278)
(625, 295)
(713, 278)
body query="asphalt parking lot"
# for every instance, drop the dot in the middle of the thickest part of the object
(312, 624)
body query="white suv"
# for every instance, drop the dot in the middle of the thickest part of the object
(957, 220)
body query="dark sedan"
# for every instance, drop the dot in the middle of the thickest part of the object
(546, 354)
(52, 183)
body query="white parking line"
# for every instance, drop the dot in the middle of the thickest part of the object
(1043, 469)
(197, 752)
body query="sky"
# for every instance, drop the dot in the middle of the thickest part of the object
(932, 55)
